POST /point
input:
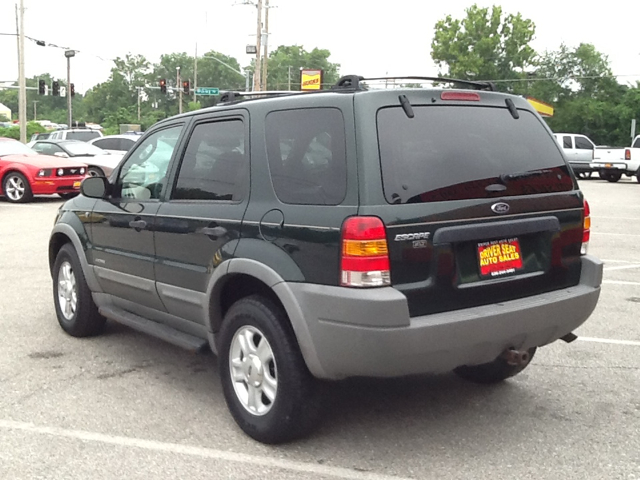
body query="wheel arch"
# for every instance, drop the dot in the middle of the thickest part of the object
(61, 235)
(244, 277)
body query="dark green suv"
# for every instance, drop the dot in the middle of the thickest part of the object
(348, 232)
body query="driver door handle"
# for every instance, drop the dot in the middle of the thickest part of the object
(138, 224)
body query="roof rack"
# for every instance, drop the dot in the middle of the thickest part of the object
(233, 96)
(354, 82)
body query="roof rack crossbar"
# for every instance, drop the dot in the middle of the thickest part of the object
(354, 82)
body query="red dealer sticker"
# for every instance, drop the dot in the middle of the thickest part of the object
(499, 257)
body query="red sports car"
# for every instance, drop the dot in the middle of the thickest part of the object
(25, 173)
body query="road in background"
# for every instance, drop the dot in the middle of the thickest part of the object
(124, 405)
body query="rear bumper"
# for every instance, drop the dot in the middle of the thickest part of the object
(51, 185)
(347, 332)
(581, 167)
(609, 166)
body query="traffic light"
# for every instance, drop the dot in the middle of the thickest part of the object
(41, 87)
(185, 86)
(56, 89)
(163, 85)
(72, 87)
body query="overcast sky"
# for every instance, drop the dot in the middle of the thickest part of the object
(365, 38)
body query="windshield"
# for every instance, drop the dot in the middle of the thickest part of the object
(460, 152)
(10, 147)
(82, 136)
(81, 148)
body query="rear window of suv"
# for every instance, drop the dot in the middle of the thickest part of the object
(460, 152)
(82, 136)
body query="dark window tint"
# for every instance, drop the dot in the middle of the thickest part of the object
(82, 136)
(454, 153)
(126, 144)
(307, 156)
(566, 142)
(636, 144)
(108, 143)
(47, 148)
(214, 166)
(583, 144)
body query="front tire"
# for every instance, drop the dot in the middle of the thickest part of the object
(493, 372)
(67, 196)
(270, 392)
(16, 188)
(77, 313)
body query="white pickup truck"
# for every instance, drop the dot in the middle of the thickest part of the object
(611, 163)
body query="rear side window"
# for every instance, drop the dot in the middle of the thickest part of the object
(307, 156)
(462, 152)
(108, 143)
(566, 142)
(82, 136)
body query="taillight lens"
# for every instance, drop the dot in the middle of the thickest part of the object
(365, 255)
(627, 154)
(586, 229)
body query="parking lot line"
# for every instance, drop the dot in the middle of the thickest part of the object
(202, 452)
(611, 341)
(615, 234)
(621, 267)
(620, 282)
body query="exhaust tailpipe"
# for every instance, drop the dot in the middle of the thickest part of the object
(515, 357)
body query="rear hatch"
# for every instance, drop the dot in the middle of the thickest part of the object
(480, 207)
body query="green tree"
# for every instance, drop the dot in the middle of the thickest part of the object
(283, 67)
(486, 45)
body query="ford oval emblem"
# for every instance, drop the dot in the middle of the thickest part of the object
(500, 208)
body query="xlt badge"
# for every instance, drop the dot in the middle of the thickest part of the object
(412, 236)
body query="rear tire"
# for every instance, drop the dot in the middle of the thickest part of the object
(492, 372)
(95, 172)
(610, 176)
(269, 391)
(77, 313)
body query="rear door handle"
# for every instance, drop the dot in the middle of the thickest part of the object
(138, 224)
(214, 232)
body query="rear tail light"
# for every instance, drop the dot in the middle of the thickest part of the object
(627, 154)
(586, 229)
(365, 255)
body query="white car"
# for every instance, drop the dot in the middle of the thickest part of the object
(100, 163)
(120, 144)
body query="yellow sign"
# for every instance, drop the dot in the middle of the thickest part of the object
(544, 109)
(311, 79)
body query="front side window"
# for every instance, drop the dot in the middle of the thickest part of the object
(307, 155)
(144, 174)
(214, 166)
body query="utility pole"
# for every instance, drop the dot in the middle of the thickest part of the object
(22, 83)
(35, 110)
(138, 103)
(289, 77)
(265, 56)
(179, 87)
(69, 54)
(257, 73)
(195, 75)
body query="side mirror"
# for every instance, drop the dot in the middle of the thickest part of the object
(94, 187)
(61, 155)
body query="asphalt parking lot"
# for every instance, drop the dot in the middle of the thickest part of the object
(124, 405)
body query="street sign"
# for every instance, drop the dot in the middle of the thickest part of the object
(63, 91)
(207, 91)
